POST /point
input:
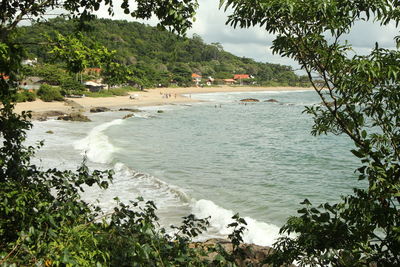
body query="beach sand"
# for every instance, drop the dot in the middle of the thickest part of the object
(149, 97)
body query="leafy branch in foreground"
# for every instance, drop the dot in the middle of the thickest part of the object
(361, 98)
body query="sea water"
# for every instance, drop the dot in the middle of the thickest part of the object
(213, 158)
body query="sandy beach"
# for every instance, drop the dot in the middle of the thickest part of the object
(149, 97)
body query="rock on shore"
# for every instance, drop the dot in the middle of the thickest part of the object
(252, 255)
(99, 109)
(74, 117)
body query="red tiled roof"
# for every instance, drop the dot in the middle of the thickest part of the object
(241, 76)
(98, 70)
(4, 77)
(195, 75)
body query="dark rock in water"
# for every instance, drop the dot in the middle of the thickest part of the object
(41, 118)
(271, 100)
(49, 132)
(130, 109)
(74, 117)
(252, 255)
(160, 111)
(99, 109)
(249, 100)
(127, 116)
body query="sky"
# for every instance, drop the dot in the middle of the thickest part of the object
(256, 43)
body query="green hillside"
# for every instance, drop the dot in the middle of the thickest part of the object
(157, 56)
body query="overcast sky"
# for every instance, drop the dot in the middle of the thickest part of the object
(255, 42)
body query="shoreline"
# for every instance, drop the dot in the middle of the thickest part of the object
(150, 97)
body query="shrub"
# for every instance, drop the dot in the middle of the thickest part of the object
(49, 93)
(71, 86)
(25, 96)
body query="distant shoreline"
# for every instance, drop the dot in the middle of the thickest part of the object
(149, 97)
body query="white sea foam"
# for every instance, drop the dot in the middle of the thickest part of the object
(96, 145)
(258, 233)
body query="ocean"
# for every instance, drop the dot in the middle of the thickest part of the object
(214, 158)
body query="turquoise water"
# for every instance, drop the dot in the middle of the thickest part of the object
(256, 159)
(214, 158)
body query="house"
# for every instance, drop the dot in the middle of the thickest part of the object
(241, 77)
(31, 83)
(196, 78)
(229, 81)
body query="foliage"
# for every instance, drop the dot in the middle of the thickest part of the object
(25, 96)
(49, 73)
(70, 86)
(361, 99)
(74, 50)
(123, 91)
(49, 93)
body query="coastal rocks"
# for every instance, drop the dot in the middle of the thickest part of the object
(43, 116)
(271, 100)
(252, 255)
(160, 111)
(74, 117)
(99, 109)
(130, 109)
(73, 105)
(127, 116)
(249, 100)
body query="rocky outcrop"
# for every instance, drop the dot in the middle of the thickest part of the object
(50, 132)
(43, 116)
(73, 105)
(248, 254)
(99, 109)
(249, 100)
(74, 117)
(160, 111)
(130, 109)
(271, 100)
(127, 116)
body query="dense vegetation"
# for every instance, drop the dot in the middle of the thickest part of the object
(154, 56)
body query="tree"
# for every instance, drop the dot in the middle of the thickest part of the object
(361, 96)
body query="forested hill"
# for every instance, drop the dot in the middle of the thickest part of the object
(155, 51)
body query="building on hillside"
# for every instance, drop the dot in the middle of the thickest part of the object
(229, 81)
(31, 83)
(92, 71)
(242, 78)
(196, 78)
